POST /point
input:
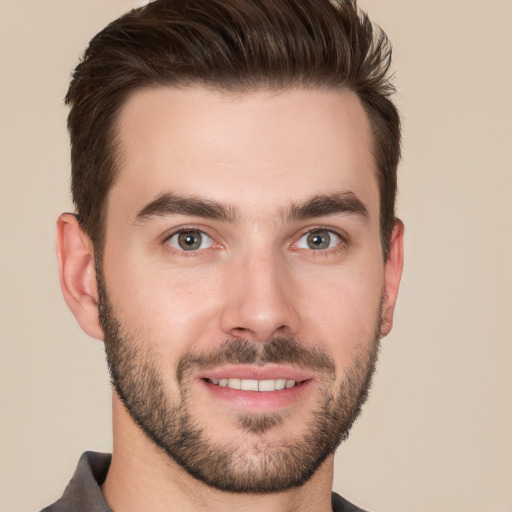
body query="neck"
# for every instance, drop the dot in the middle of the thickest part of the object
(142, 477)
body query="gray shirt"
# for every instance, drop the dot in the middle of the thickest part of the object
(83, 493)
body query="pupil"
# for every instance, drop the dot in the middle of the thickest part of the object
(319, 240)
(190, 240)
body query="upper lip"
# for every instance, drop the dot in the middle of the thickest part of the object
(251, 372)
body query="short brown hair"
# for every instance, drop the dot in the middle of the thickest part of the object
(238, 45)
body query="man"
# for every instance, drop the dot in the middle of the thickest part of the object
(234, 245)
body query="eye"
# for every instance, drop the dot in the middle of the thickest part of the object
(190, 240)
(319, 240)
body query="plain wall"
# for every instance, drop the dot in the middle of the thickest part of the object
(436, 433)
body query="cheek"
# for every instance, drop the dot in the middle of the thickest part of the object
(172, 308)
(342, 309)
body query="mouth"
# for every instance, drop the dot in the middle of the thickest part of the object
(264, 386)
(257, 389)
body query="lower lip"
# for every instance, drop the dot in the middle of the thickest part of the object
(258, 401)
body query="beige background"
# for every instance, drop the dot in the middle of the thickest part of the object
(436, 434)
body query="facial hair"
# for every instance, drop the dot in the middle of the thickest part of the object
(266, 466)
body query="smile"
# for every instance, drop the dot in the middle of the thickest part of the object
(255, 385)
(253, 389)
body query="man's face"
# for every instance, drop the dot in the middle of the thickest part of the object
(243, 280)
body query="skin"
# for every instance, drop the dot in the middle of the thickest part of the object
(257, 155)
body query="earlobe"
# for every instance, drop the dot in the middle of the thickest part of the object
(393, 274)
(75, 257)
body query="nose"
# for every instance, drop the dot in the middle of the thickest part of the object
(259, 303)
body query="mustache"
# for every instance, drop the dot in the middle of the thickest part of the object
(242, 351)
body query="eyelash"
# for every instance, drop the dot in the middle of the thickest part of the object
(341, 246)
(192, 253)
(315, 253)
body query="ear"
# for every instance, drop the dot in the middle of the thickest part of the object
(392, 276)
(75, 257)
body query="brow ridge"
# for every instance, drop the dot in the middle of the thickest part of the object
(317, 206)
(175, 204)
(330, 204)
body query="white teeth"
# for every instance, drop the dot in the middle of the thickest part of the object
(267, 385)
(290, 384)
(280, 384)
(255, 385)
(249, 385)
(234, 383)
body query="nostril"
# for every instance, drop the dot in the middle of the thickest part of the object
(240, 331)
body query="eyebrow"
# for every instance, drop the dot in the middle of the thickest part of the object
(317, 206)
(331, 204)
(174, 204)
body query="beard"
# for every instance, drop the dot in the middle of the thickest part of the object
(249, 461)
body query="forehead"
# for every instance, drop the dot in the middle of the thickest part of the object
(257, 151)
